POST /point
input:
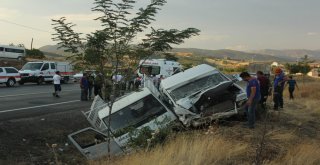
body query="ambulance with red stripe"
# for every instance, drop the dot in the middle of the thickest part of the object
(43, 71)
(9, 76)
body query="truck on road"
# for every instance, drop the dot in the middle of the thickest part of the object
(43, 71)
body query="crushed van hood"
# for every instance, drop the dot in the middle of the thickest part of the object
(189, 101)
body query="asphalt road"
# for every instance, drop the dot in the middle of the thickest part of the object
(31, 100)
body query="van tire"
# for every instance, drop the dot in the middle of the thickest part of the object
(19, 58)
(10, 82)
(40, 80)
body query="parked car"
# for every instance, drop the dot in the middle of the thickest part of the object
(9, 76)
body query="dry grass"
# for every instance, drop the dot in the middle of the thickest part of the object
(292, 138)
(306, 153)
(191, 149)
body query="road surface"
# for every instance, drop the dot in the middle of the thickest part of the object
(33, 100)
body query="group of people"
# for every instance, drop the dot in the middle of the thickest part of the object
(259, 88)
(90, 83)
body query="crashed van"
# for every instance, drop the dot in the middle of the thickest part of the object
(134, 111)
(201, 94)
(191, 98)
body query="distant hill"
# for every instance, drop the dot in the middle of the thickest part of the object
(257, 55)
(290, 53)
(232, 54)
(53, 51)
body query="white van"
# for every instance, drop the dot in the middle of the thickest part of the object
(12, 52)
(43, 71)
(134, 111)
(159, 67)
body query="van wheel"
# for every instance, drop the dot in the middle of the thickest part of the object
(10, 82)
(19, 58)
(40, 81)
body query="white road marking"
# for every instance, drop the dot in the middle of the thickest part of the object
(31, 93)
(39, 106)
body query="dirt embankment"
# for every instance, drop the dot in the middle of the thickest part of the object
(11, 63)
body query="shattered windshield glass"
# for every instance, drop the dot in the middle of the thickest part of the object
(135, 115)
(197, 86)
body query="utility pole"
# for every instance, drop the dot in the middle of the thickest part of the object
(31, 43)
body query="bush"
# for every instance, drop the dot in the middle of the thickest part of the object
(35, 53)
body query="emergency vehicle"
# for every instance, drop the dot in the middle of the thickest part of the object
(43, 71)
(158, 67)
(9, 76)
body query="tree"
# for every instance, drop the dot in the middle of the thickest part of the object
(172, 57)
(111, 45)
(35, 53)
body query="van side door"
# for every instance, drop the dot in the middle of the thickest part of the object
(46, 72)
(52, 69)
(93, 144)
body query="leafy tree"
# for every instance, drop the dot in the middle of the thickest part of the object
(113, 45)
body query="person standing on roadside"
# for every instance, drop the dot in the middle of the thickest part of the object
(292, 84)
(254, 96)
(264, 88)
(56, 83)
(98, 82)
(84, 85)
(278, 86)
(91, 84)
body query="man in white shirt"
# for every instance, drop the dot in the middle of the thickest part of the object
(56, 83)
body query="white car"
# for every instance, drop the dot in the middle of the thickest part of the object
(9, 76)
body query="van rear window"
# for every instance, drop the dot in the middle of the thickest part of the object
(150, 70)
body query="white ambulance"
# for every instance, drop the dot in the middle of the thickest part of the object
(43, 71)
(158, 67)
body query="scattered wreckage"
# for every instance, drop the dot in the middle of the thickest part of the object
(193, 97)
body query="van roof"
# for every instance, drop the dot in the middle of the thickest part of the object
(187, 76)
(124, 101)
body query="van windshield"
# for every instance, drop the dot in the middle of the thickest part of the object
(197, 86)
(135, 115)
(32, 66)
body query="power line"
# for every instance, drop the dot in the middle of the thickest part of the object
(28, 27)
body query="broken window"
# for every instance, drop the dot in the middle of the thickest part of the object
(135, 115)
(197, 85)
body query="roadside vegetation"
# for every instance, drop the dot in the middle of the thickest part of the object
(288, 137)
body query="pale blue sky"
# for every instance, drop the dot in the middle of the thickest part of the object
(232, 24)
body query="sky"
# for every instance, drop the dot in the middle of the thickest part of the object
(224, 24)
